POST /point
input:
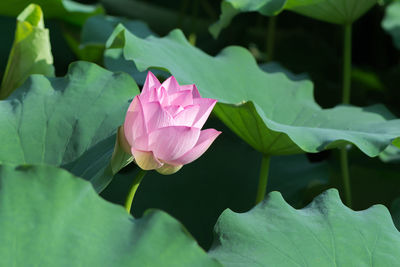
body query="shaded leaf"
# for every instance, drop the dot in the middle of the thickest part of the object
(391, 22)
(30, 52)
(97, 30)
(272, 113)
(49, 217)
(325, 233)
(58, 120)
(395, 211)
(67, 10)
(333, 11)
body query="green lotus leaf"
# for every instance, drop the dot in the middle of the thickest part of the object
(272, 113)
(67, 10)
(97, 30)
(391, 22)
(333, 11)
(49, 217)
(66, 121)
(395, 211)
(325, 233)
(30, 52)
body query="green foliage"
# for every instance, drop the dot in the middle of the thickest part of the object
(52, 218)
(325, 233)
(391, 22)
(95, 33)
(58, 120)
(333, 11)
(272, 113)
(68, 10)
(30, 52)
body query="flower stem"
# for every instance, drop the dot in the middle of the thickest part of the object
(271, 38)
(346, 64)
(344, 164)
(262, 183)
(345, 177)
(132, 191)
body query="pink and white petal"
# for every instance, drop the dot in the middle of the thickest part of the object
(192, 88)
(146, 160)
(173, 110)
(168, 169)
(141, 143)
(156, 116)
(172, 142)
(206, 106)
(181, 98)
(134, 124)
(151, 82)
(187, 116)
(206, 138)
(171, 85)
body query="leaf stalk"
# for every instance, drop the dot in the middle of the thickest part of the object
(263, 180)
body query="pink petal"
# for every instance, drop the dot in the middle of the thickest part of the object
(141, 143)
(192, 88)
(181, 98)
(134, 124)
(171, 85)
(173, 110)
(206, 106)
(170, 143)
(187, 116)
(151, 82)
(206, 138)
(156, 116)
(146, 159)
(155, 94)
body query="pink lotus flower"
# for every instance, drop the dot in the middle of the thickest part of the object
(163, 125)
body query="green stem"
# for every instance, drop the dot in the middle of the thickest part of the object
(346, 64)
(132, 191)
(271, 38)
(345, 177)
(344, 162)
(262, 183)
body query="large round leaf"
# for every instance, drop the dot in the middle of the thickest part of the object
(272, 113)
(58, 120)
(333, 11)
(326, 233)
(50, 218)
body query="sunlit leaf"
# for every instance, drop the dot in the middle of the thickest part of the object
(326, 233)
(272, 113)
(49, 217)
(30, 52)
(58, 120)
